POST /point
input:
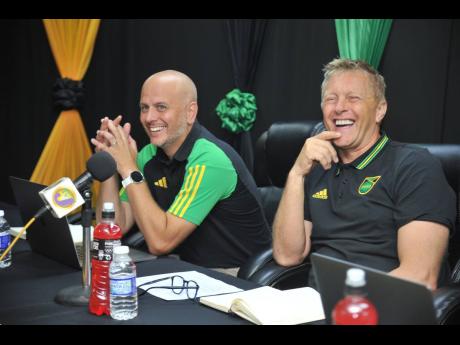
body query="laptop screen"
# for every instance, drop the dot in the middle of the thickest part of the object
(398, 301)
(48, 236)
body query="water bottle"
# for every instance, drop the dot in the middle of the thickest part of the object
(5, 240)
(106, 236)
(355, 308)
(123, 291)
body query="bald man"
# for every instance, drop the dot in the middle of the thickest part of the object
(188, 192)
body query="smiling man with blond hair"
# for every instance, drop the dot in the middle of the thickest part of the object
(356, 195)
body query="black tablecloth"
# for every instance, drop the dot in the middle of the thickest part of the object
(28, 288)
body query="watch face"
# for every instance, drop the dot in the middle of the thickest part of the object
(137, 176)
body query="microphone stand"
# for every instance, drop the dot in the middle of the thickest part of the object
(79, 295)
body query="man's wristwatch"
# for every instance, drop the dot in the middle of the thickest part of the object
(135, 177)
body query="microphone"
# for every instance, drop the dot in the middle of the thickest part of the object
(63, 196)
(99, 166)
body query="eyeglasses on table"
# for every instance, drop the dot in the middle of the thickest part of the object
(177, 284)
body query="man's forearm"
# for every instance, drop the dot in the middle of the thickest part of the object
(427, 278)
(421, 248)
(289, 240)
(150, 218)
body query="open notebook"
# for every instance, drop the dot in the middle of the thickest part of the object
(52, 237)
(269, 306)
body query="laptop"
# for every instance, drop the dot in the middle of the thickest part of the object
(50, 236)
(398, 301)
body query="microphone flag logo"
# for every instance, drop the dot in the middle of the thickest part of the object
(64, 197)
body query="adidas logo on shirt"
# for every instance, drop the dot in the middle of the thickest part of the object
(161, 183)
(322, 194)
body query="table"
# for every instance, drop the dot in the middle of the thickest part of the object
(29, 285)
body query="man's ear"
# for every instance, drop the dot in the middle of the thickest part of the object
(381, 111)
(192, 111)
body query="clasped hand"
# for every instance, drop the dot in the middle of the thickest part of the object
(116, 140)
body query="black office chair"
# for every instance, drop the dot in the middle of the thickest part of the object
(276, 151)
(447, 298)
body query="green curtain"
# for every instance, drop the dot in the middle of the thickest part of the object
(362, 39)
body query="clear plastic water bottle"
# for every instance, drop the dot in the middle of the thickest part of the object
(123, 291)
(5, 240)
(355, 308)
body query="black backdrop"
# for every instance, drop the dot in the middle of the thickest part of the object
(421, 65)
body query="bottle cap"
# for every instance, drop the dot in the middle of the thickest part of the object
(108, 207)
(2, 213)
(121, 250)
(356, 277)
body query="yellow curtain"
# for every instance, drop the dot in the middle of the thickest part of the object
(67, 148)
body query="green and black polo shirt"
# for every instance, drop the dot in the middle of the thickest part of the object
(357, 208)
(208, 184)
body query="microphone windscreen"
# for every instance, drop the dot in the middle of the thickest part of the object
(101, 166)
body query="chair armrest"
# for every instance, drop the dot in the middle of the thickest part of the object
(446, 302)
(255, 263)
(262, 269)
(282, 277)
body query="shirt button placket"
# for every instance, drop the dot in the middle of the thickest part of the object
(343, 184)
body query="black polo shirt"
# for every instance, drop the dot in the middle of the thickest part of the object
(357, 208)
(208, 184)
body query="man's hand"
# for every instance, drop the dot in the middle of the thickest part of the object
(101, 136)
(117, 141)
(317, 149)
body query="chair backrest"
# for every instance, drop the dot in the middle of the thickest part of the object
(277, 149)
(275, 152)
(449, 155)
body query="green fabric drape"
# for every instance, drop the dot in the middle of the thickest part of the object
(363, 39)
